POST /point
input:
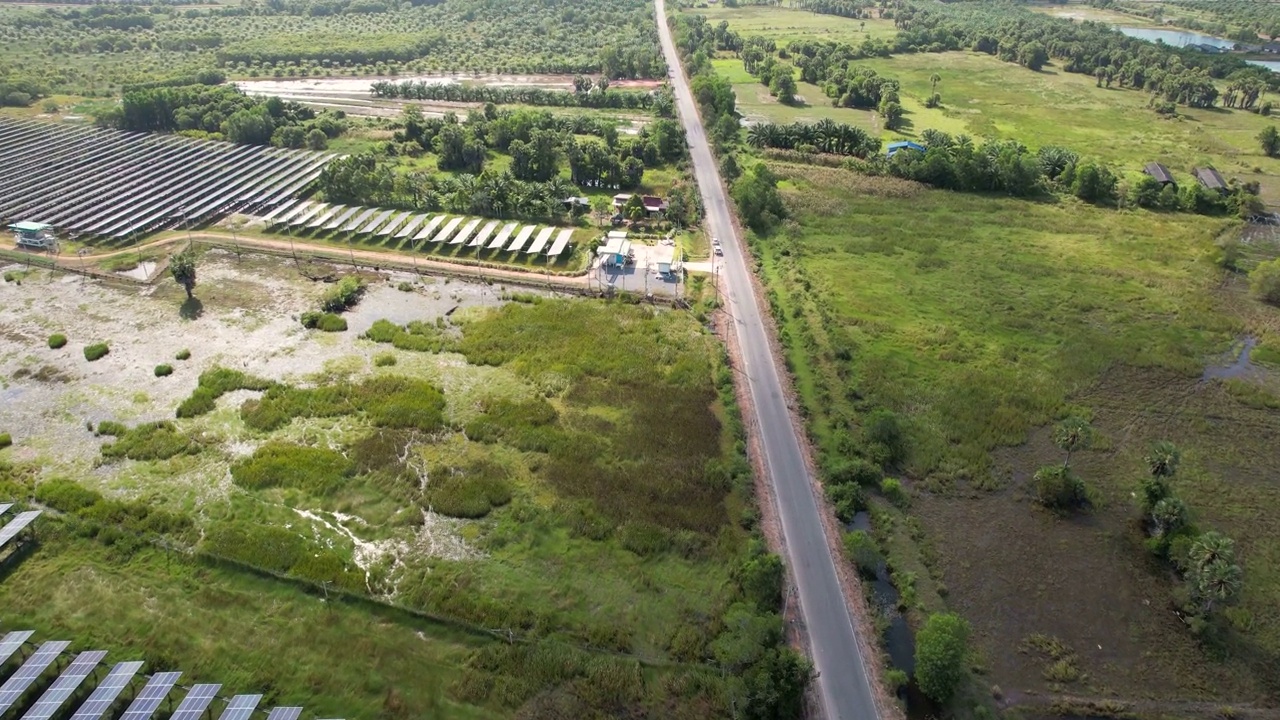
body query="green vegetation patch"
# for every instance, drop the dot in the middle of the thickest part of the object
(417, 335)
(96, 351)
(215, 383)
(164, 370)
(319, 471)
(57, 341)
(344, 294)
(388, 401)
(5, 440)
(183, 354)
(327, 322)
(152, 441)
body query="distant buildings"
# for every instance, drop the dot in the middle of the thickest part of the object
(1206, 48)
(894, 147)
(33, 235)
(1210, 178)
(653, 205)
(1160, 173)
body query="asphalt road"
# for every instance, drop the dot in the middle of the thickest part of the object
(842, 681)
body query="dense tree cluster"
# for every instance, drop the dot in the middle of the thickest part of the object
(759, 202)
(698, 42)
(1015, 34)
(841, 8)
(825, 136)
(1240, 20)
(597, 95)
(19, 92)
(224, 113)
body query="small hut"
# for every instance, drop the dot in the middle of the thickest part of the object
(1160, 173)
(1211, 179)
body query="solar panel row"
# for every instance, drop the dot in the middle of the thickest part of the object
(17, 525)
(94, 181)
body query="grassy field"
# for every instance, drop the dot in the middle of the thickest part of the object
(757, 105)
(978, 320)
(564, 471)
(785, 24)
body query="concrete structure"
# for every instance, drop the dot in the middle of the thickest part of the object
(34, 235)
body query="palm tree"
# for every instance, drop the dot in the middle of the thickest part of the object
(1169, 515)
(1162, 459)
(934, 79)
(1073, 433)
(1209, 549)
(1218, 584)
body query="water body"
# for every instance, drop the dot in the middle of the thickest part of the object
(1236, 367)
(1176, 38)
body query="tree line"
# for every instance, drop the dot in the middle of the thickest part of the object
(223, 113)
(598, 95)
(698, 41)
(824, 136)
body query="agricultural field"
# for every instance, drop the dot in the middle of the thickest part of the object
(784, 24)
(979, 321)
(451, 500)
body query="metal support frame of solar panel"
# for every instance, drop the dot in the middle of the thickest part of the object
(21, 680)
(465, 233)
(198, 699)
(163, 210)
(17, 525)
(34, 164)
(540, 242)
(151, 696)
(4, 507)
(141, 190)
(51, 188)
(429, 228)
(72, 198)
(12, 642)
(503, 235)
(562, 241)
(411, 226)
(234, 195)
(337, 222)
(521, 238)
(284, 713)
(447, 230)
(375, 223)
(391, 227)
(240, 707)
(480, 238)
(359, 220)
(107, 691)
(166, 203)
(65, 686)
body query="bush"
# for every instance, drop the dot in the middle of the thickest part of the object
(1264, 281)
(96, 351)
(342, 295)
(213, 384)
(384, 360)
(863, 552)
(57, 340)
(847, 500)
(416, 336)
(5, 440)
(278, 464)
(885, 437)
(894, 492)
(327, 322)
(164, 370)
(1057, 488)
(183, 354)
(941, 649)
(853, 470)
(111, 427)
(405, 286)
(151, 441)
(471, 493)
(65, 496)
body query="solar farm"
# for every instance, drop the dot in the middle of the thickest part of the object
(91, 182)
(411, 230)
(41, 687)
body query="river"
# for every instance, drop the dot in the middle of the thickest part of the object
(1182, 38)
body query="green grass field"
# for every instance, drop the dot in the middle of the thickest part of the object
(980, 319)
(785, 24)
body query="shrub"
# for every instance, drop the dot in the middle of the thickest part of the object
(863, 553)
(65, 496)
(941, 647)
(96, 351)
(213, 384)
(405, 286)
(417, 336)
(760, 578)
(384, 360)
(57, 340)
(183, 354)
(164, 370)
(853, 470)
(344, 294)
(111, 427)
(471, 493)
(885, 437)
(894, 492)
(151, 441)
(1264, 281)
(5, 440)
(847, 500)
(1058, 488)
(327, 322)
(644, 539)
(277, 464)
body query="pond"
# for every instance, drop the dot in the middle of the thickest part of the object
(1176, 38)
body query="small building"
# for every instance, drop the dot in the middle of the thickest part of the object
(665, 259)
(1160, 173)
(615, 251)
(34, 235)
(894, 147)
(576, 205)
(1210, 178)
(1206, 48)
(653, 205)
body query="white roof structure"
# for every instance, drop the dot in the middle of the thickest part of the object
(615, 246)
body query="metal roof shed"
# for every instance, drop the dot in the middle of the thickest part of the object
(1159, 172)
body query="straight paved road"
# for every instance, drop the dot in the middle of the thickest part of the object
(842, 682)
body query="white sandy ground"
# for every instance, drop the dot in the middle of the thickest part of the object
(47, 418)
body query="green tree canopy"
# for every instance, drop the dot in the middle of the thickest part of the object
(941, 650)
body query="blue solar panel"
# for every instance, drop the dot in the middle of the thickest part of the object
(65, 685)
(284, 713)
(33, 668)
(145, 705)
(10, 643)
(194, 704)
(241, 707)
(104, 696)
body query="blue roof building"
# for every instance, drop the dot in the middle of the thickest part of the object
(894, 147)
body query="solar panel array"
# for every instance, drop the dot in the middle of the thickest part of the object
(473, 233)
(17, 525)
(92, 181)
(109, 689)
